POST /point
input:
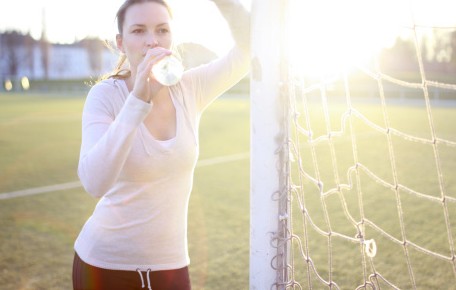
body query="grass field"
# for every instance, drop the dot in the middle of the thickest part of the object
(39, 146)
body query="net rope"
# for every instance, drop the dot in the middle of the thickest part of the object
(310, 190)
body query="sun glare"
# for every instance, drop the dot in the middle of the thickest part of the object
(329, 36)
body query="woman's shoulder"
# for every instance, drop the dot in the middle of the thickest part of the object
(106, 85)
(109, 94)
(112, 88)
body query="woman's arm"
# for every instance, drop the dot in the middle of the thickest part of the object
(107, 138)
(215, 78)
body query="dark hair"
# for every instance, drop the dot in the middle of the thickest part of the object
(119, 72)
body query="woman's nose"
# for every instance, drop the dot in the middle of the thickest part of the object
(151, 41)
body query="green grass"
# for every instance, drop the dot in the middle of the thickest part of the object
(39, 146)
(39, 140)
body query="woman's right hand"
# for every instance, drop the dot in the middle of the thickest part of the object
(145, 85)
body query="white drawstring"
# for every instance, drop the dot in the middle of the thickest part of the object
(148, 280)
(142, 279)
(140, 275)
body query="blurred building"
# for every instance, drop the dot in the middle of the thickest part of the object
(21, 55)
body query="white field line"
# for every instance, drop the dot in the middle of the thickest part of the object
(38, 190)
(223, 159)
(76, 184)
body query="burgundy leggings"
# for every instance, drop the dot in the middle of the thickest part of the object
(88, 277)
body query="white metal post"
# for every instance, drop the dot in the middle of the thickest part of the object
(267, 141)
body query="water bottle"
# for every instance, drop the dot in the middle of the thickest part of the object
(168, 71)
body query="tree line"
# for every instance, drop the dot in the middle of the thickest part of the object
(436, 50)
(438, 53)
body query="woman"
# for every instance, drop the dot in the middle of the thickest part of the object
(139, 150)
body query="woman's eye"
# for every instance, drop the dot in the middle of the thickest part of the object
(137, 31)
(163, 30)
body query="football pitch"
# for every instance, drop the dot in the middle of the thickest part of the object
(39, 146)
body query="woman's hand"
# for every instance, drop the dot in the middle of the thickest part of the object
(145, 86)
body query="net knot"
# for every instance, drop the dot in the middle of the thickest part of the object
(320, 186)
(283, 217)
(370, 247)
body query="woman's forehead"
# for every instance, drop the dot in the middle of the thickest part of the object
(147, 13)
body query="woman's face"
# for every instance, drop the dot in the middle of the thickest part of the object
(146, 25)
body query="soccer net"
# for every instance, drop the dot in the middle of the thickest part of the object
(363, 184)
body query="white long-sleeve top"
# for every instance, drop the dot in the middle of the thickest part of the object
(144, 184)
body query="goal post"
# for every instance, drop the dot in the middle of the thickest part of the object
(269, 134)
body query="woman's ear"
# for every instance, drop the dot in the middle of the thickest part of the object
(119, 43)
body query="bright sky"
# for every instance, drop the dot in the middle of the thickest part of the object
(199, 21)
(328, 36)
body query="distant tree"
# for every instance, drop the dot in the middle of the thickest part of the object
(453, 51)
(442, 47)
(13, 52)
(45, 48)
(95, 48)
(29, 52)
(400, 57)
(438, 52)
